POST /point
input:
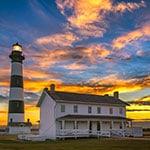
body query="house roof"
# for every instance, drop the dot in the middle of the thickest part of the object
(85, 98)
(92, 117)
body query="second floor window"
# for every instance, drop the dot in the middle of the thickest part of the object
(98, 110)
(89, 109)
(75, 109)
(110, 110)
(62, 108)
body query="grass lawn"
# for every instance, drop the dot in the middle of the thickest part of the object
(10, 143)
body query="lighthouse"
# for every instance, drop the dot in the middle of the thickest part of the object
(16, 122)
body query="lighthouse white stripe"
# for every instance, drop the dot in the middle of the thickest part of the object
(16, 117)
(16, 68)
(16, 93)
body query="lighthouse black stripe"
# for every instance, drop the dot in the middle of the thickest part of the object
(17, 56)
(16, 81)
(16, 106)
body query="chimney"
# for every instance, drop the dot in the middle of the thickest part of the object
(116, 94)
(28, 120)
(46, 89)
(52, 88)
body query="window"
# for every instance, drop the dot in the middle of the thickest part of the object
(62, 108)
(11, 120)
(98, 110)
(89, 109)
(110, 110)
(120, 111)
(75, 109)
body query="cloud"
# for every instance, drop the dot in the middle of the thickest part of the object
(89, 18)
(131, 37)
(75, 66)
(142, 101)
(114, 82)
(30, 97)
(37, 74)
(57, 40)
(121, 7)
(75, 56)
(3, 99)
(138, 107)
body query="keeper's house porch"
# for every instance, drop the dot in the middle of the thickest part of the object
(90, 126)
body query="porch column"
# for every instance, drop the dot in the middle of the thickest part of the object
(88, 124)
(100, 122)
(75, 128)
(88, 127)
(63, 127)
(112, 124)
(63, 124)
(75, 124)
(123, 128)
(122, 125)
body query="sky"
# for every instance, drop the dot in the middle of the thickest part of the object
(84, 46)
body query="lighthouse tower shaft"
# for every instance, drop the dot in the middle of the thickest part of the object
(16, 98)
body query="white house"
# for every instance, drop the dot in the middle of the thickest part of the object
(64, 114)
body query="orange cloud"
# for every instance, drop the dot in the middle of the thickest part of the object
(75, 66)
(88, 12)
(132, 36)
(78, 55)
(89, 17)
(115, 83)
(96, 51)
(38, 85)
(29, 73)
(121, 7)
(57, 40)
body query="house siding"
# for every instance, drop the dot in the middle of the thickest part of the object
(83, 110)
(47, 118)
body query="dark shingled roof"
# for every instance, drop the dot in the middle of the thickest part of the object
(92, 117)
(85, 98)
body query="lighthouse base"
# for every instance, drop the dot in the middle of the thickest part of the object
(19, 128)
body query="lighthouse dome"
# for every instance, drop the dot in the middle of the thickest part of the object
(17, 47)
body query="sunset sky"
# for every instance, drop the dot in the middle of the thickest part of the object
(85, 46)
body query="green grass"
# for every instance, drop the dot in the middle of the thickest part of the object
(10, 143)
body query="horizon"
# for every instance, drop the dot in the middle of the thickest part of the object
(97, 47)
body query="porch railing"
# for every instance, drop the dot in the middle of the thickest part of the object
(82, 133)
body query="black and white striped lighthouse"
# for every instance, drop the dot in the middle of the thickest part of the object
(16, 98)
